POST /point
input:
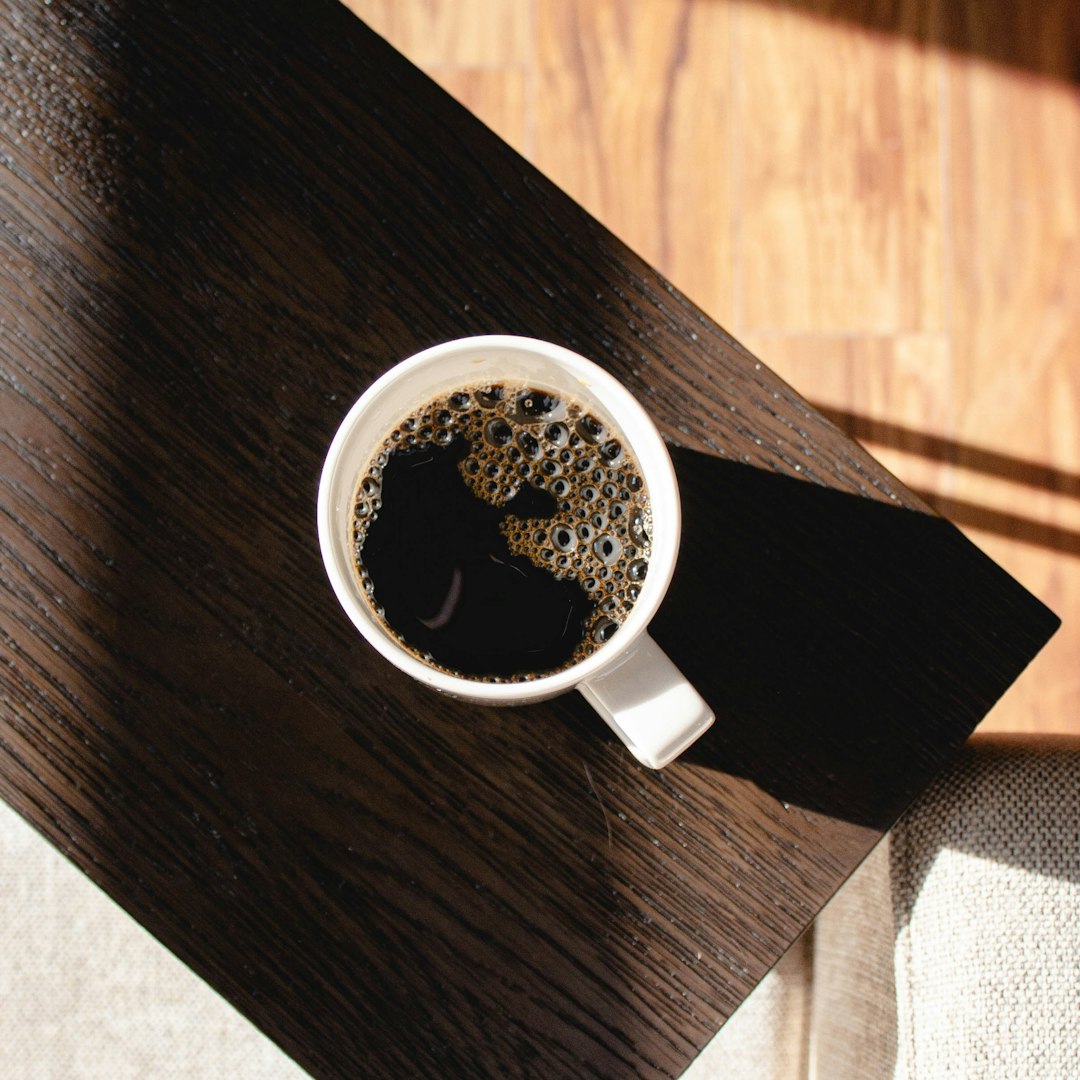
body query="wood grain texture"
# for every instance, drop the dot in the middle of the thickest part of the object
(633, 111)
(840, 191)
(220, 223)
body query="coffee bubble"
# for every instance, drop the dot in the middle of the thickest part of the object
(556, 434)
(562, 536)
(611, 451)
(607, 549)
(530, 445)
(590, 429)
(498, 432)
(538, 405)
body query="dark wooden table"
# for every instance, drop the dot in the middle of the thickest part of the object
(219, 223)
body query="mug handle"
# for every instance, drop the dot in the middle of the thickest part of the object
(648, 703)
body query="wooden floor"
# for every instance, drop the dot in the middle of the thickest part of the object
(881, 201)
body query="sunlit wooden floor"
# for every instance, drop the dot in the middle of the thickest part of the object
(881, 201)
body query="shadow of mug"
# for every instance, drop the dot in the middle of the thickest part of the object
(833, 635)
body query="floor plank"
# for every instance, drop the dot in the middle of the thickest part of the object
(840, 193)
(633, 118)
(1015, 302)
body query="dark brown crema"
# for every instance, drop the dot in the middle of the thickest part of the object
(501, 532)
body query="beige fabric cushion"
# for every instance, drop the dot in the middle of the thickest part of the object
(954, 950)
(852, 1026)
(986, 897)
(87, 994)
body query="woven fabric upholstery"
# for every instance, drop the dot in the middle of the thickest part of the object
(954, 950)
(87, 994)
(986, 897)
(852, 1026)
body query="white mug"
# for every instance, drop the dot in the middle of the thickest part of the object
(629, 681)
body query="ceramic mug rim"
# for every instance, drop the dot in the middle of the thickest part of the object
(589, 381)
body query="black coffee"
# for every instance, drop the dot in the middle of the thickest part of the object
(502, 533)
